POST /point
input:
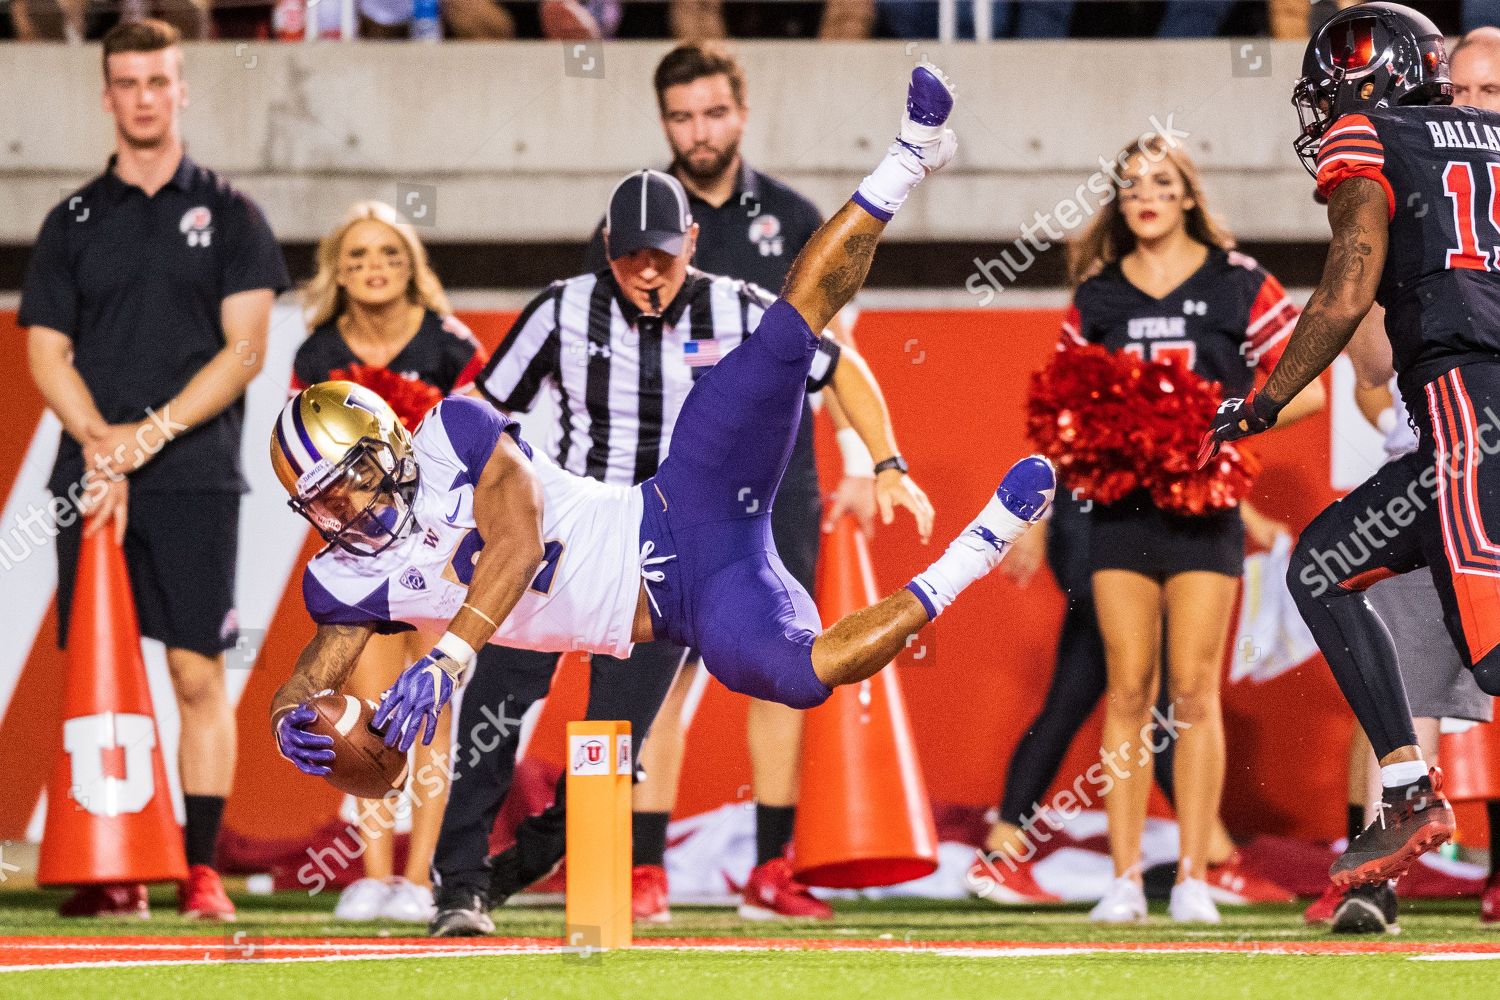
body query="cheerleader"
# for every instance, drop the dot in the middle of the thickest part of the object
(379, 316)
(1158, 276)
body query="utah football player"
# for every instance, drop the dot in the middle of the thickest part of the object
(461, 527)
(1413, 188)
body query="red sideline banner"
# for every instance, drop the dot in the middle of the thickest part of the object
(956, 381)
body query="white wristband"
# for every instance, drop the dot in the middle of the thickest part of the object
(857, 459)
(457, 650)
(1387, 420)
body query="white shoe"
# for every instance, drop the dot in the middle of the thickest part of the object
(1192, 903)
(1124, 902)
(362, 900)
(408, 902)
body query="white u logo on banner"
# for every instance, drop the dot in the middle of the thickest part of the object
(87, 737)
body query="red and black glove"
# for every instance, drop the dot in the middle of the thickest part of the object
(1235, 419)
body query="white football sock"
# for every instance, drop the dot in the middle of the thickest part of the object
(1402, 773)
(884, 191)
(968, 557)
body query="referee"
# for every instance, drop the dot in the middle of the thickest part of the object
(752, 227)
(148, 302)
(617, 351)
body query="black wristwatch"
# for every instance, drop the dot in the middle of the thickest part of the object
(894, 462)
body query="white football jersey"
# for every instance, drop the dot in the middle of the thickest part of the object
(583, 597)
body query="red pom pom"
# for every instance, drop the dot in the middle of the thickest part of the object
(1077, 417)
(411, 398)
(1113, 423)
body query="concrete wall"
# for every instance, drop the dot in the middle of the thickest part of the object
(517, 146)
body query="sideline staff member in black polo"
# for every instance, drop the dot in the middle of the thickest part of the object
(148, 303)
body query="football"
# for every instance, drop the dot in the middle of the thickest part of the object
(363, 765)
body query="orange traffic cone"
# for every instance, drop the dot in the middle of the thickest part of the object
(864, 818)
(1471, 764)
(109, 808)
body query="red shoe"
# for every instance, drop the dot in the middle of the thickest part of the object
(1320, 913)
(1230, 883)
(1489, 903)
(114, 899)
(998, 883)
(648, 894)
(771, 893)
(1413, 820)
(201, 896)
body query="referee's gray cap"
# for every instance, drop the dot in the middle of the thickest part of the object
(647, 210)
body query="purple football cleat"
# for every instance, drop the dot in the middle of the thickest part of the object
(929, 102)
(929, 97)
(1027, 489)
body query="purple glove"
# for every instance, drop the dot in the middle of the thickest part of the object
(417, 698)
(309, 751)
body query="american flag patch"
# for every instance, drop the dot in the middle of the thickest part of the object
(701, 353)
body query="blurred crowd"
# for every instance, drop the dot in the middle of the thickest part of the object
(81, 20)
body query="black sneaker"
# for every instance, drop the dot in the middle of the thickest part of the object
(541, 842)
(1413, 819)
(461, 912)
(1367, 909)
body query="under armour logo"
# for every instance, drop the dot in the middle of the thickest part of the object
(1194, 307)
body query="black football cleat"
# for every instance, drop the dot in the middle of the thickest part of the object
(1367, 909)
(1413, 820)
(461, 912)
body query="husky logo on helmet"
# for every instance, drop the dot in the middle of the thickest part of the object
(1375, 55)
(346, 461)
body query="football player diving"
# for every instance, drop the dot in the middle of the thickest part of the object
(460, 528)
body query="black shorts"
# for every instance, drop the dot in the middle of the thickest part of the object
(797, 528)
(1134, 534)
(180, 551)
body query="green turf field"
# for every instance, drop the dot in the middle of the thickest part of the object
(695, 977)
(802, 971)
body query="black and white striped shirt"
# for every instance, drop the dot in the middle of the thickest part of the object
(620, 378)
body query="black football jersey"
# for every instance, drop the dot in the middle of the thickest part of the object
(1227, 319)
(444, 354)
(1440, 167)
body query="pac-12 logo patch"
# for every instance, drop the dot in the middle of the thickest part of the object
(765, 231)
(412, 579)
(198, 225)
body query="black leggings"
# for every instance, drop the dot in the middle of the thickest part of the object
(1078, 678)
(1437, 507)
(506, 682)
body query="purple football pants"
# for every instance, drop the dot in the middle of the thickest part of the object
(726, 592)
